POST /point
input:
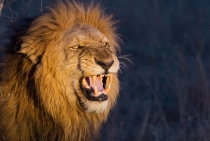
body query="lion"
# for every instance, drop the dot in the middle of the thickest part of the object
(60, 80)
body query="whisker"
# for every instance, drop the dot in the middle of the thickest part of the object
(122, 64)
(125, 57)
(120, 71)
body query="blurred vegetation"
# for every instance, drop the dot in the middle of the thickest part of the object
(165, 95)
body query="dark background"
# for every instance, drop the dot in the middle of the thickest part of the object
(165, 93)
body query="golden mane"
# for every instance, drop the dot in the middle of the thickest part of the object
(61, 18)
(45, 84)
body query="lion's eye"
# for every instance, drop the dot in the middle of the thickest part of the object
(75, 47)
(105, 43)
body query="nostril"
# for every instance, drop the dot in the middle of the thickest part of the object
(104, 63)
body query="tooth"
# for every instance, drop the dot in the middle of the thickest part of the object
(94, 80)
(85, 83)
(101, 78)
(94, 84)
(96, 91)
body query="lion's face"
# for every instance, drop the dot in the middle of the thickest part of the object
(97, 65)
(84, 61)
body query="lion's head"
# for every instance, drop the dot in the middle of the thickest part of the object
(61, 76)
(75, 50)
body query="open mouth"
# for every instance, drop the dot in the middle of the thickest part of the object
(96, 87)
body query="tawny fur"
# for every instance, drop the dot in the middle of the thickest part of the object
(40, 97)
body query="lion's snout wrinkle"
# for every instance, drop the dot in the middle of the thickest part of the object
(105, 63)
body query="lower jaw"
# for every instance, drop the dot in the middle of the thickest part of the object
(95, 106)
(90, 96)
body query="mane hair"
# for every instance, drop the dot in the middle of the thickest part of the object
(58, 20)
(31, 104)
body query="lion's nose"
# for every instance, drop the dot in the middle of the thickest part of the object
(104, 63)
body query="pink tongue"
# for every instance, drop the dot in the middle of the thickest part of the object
(98, 84)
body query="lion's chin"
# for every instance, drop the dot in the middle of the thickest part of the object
(95, 106)
(96, 87)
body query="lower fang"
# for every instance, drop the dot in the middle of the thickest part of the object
(96, 91)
